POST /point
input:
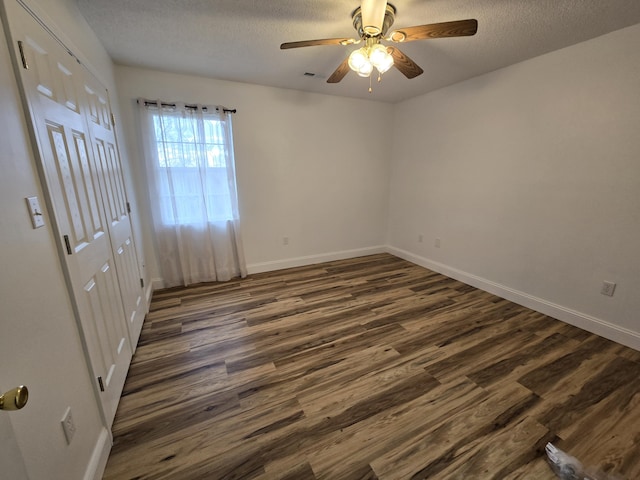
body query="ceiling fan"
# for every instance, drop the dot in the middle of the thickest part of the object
(372, 21)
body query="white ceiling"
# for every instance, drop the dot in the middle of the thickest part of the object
(239, 40)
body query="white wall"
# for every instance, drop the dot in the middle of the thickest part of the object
(530, 176)
(39, 341)
(310, 167)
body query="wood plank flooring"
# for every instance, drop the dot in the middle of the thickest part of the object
(368, 368)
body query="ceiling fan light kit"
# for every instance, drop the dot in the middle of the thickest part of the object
(372, 55)
(372, 21)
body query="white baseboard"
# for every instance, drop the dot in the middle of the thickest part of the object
(148, 293)
(157, 284)
(313, 259)
(98, 462)
(581, 320)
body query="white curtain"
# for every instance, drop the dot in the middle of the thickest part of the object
(188, 151)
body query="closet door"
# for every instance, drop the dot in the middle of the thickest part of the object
(96, 109)
(53, 86)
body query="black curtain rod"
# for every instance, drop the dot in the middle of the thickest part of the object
(193, 107)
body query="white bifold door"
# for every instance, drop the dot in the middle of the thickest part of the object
(72, 127)
(116, 207)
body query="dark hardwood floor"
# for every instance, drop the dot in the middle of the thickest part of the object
(368, 368)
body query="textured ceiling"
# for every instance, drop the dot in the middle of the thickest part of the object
(239, 40)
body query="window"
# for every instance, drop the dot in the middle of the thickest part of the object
(192, 152)
(188, 153)
(177, 142)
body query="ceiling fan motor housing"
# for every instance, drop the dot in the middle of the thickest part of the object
(389, 17)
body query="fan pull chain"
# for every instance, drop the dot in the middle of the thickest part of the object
(370, 89)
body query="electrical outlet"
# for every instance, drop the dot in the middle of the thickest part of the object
(68, 425)
(608, 288)
(420, 238)
(285, 240)
(436, 243)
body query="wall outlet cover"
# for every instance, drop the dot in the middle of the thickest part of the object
(608, 288)
(68, 425)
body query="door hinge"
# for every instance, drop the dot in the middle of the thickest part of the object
(100, 382)
(141, 283)
(67, 244)
(22, 56)
(128, 207)
(113, 119)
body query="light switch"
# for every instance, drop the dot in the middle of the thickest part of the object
(35, 211)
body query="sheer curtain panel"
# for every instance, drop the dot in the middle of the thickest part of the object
(188, 152)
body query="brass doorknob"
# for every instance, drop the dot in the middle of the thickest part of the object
(14, 399)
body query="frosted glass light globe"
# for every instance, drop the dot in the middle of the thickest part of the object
(366, 69)
(357, 59)
(386, 63)
(377, 55)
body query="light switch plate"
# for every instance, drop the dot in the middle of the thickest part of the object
(37, 219)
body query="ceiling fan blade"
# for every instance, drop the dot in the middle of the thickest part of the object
(324, 41)
(458, 28)
(408, 67)
(373, 16)
(340, 72)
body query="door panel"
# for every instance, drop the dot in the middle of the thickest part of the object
(73, 180)
(112, 344)
(98, 114)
